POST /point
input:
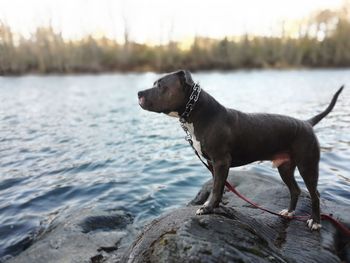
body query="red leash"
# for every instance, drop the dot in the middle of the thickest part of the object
(335, 222)
(234, 190)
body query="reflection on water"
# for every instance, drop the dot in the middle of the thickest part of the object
(78, 141)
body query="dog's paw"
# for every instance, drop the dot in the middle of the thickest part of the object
(204, 210)
(286, 213)
(313, 225)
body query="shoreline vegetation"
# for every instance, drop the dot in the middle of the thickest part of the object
(321, 42)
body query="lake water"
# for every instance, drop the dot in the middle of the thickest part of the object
(83, 141)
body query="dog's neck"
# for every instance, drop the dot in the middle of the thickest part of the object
(205, 108)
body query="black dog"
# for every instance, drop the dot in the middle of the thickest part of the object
(230, 138)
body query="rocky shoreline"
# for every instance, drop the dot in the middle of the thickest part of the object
(236, 233)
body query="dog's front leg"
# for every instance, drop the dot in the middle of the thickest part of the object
(220, 173)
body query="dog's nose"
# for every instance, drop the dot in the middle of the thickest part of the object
(140, 94)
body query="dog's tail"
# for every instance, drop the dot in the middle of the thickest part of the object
(314, 120)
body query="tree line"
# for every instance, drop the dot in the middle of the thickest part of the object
(324, 41)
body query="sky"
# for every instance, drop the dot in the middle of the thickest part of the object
(157, 21)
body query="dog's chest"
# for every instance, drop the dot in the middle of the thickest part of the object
(196, 143)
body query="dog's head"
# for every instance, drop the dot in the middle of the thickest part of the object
(169, 94)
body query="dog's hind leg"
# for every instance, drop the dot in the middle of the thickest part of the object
(306, 152)
(286, 172)
(307, 164)
(309, 173)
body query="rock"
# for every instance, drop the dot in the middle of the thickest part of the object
(241, 233)
(236, 233)
(81, 236)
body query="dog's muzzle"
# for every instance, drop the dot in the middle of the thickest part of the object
(142, 99)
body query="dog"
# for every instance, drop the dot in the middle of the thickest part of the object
(230, 138)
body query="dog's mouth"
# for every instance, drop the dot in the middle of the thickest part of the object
(142, 102)
(146, 104)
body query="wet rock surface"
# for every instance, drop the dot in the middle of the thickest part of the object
(80, 236)
(237, 232)
(241, 233)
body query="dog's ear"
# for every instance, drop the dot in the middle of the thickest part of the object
(185, 77)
